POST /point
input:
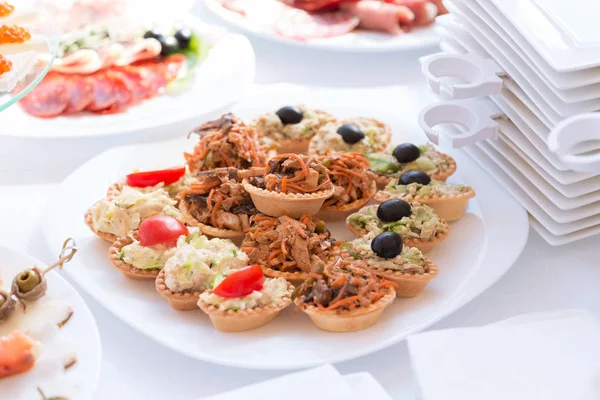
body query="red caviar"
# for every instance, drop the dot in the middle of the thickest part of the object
(13, 34)
(5, 65)
(6, 9)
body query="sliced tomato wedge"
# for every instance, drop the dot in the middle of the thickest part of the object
(153, 178)
(161, 229)
(241, 282)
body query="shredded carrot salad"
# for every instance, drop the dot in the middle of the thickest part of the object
(226, 142)
(293, 173)
(288, 245)
(345, 286)
(349, 175)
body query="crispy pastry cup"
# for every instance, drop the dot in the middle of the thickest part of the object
(448, 208)
(383, 140)
(348, 320)
(109, 237)
(244, 320)
(409, 284)
(207, 229)
(294, 205)
(424, 245)
(383, 180)
(127, 269)
(184, 301)
(333, 213)
(297, 146)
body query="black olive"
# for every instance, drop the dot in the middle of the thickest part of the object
(351, 133)
(406, 152)
(387, 245)
(414, 176)
(183, 36)
(290, 115)
(393, 210)
(154, 34)
(169, 45)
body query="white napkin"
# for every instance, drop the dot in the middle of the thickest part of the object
(321, 383)
(549, 356)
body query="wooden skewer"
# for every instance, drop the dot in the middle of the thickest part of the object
(64, 256)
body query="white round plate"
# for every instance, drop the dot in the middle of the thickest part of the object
(79, 335)
(495, 222)
(220, 80)
(353, 42)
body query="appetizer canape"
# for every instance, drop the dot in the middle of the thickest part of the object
(387, 166)
(197, 261)
(353, 187)
(245, 300)
(449, 201)
(225, 142)
(289, 248)
(386, 255)
(360, 135)
(173, 180)
(418, 224)
(291, 127)
(113, 218)
(218, 204)
(143, 253)
(294, 185)
(347, 297)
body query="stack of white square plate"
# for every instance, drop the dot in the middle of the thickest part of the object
(524, 79)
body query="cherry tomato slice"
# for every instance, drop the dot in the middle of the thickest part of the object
(161, 229)
(241, 282)
(152, 178)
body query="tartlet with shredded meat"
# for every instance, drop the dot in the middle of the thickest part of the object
(347, 297)
(225, 142)
(289, 248)
(353, 187)
(218, 203)
(292, 185)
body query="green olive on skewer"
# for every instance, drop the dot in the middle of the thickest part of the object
(30, 285)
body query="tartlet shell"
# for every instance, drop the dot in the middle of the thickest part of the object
(297, 146)
(449, 208)
(207, 229)
(424, 245)
(185, 301)
(109, 237)
(384, 141)
(293, 205)
(128, 270)
(348, 321)
(336, 213)
(443, 175)
(114, 190)
(409, 285)
(244, 320)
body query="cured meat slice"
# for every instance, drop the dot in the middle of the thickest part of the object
(424, 10)
(168, 68)
(123, 94)
(49, 99)
(104, 92)
(80, 92)
(300, 25)
(380, 16)
(440, 6)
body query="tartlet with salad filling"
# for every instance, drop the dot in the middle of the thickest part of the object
(418, 224)
(113, 218)
(357, 135)
(173, 180)
(218, 203)
(389, 259)
(289, 248)
(449, 201)
(291, 127)
(195, 264)
(387, 166)
(225, 142)
(353, 187)
(143, 253)
(245, 300)
(347, 297)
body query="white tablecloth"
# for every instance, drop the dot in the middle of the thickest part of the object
(544, 278)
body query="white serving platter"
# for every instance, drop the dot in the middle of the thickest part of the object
(79, 335)
(495, 224)
(353, 42)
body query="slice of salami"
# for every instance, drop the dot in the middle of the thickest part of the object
(80, 92)
(105, 93)
(122, 90)
(301, 25)
(49, 99)
(143, 82)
